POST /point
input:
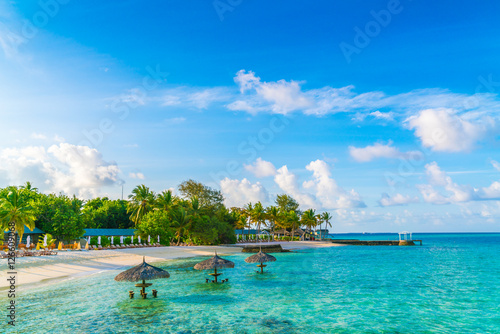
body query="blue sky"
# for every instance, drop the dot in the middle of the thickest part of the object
(384, 113)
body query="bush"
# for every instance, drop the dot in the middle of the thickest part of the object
(105, 242)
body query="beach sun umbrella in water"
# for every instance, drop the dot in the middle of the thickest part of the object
(143, 272)
(260, 258)
(214, 263)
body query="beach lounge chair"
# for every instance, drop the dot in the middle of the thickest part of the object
(3, 255)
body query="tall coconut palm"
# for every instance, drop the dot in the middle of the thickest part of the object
(258, 215)
(273, 215)
(29, 187)
(165, 200)
(141, 201)
(319, 220)
(181, 222)
(246, 213)
(292, 220)
(308, 219)
(325, 217)
(15, 210)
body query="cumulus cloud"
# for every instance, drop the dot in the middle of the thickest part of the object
(397, 199)
(379, 150)
(67, 168)
(138, 175)
(445, 131)
(327, 192)
(452, 192)
(261, 168)
(239, 193)
(281, 96)
(321, 192)
(288, 182)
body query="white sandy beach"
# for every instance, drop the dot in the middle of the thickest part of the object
(32, 271)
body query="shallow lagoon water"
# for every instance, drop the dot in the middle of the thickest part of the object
(451, 284)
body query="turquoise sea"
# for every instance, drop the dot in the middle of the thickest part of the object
(451, 284)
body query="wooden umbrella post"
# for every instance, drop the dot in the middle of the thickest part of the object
(143, 285)
(261, 266)
(215, 274)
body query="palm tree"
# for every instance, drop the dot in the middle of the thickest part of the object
(142, 201)
(195, 207)
(292, 219)
(325, 217)
(273, 215)
(246, 213)
(319, 221)
(181, 222)
(16, 212)
(308, 219)
(165, 200)
(258, 215)
(29, 187)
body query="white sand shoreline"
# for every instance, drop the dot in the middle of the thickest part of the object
(46, 270)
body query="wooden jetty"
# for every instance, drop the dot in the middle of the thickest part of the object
(276, 248)
(356, 242)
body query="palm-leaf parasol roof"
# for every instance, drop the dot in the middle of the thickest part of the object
(214, 263)
(144, 271)
(260, 258)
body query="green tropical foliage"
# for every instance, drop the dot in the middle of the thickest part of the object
(16, 209)
(197, 217)
(141, 201)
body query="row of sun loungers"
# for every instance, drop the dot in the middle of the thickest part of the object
(23, 253)
(99, 247)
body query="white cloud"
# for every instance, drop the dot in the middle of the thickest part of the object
(278, 95)
(196, 98)
(281, 96)
(138, 175)
(378, 150)
(397, 199)
(261, 168)
(451, 191)
(327, 192)
(496, 165)
(239, 193)
(388, 116)
(66, 168)
(445, 131)
(39, 136)
(287, 181)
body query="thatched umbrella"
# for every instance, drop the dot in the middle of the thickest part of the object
(214, 263)
(260, 258)
(142, 272)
